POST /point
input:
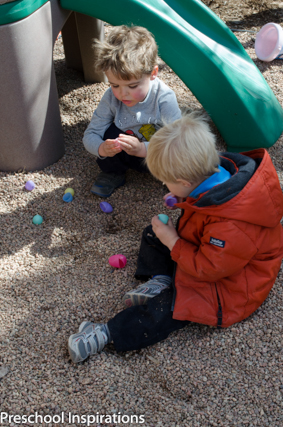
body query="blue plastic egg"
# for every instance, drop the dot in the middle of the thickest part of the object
(67, 197)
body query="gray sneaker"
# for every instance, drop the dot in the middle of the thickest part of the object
(144, 292)
(106, 183)
(91, 339)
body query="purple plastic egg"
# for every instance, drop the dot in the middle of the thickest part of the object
(118, 261)
(106, 207)
(170, 201)
(30, 185)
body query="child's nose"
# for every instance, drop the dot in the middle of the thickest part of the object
(124, 91)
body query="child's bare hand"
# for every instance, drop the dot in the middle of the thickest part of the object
(171, 208)
(109, 148)
(167, 234)
(132, 146)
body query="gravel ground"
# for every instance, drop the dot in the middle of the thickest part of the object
(56, 275)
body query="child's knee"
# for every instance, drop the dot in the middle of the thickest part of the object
(148, 232)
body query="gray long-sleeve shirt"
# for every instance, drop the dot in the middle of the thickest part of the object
(142, 120)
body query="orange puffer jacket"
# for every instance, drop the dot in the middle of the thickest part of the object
(231, 243)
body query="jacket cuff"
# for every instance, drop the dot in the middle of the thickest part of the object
(175, 253)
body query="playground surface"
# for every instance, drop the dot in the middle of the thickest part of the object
(55, 275)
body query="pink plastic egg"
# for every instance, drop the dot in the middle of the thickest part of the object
(118, 261)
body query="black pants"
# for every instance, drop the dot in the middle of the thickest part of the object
(122, 161)
(140, 326)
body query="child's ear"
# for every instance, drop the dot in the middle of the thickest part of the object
(154, 72)
(184, 183)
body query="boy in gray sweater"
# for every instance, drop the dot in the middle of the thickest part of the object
(135, 106)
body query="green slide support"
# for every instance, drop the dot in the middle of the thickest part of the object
(207, 56)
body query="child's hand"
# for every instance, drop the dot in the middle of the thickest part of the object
(109, 148)
(132, 146)
(167, 234)
(179, 200)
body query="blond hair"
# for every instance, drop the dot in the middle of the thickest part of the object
(128, 52)
(184, 149)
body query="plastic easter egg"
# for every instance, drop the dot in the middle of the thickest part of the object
(67, 197)
(37, 220)
(171, 200)
(29, 185)
(118, 261)
(164, 218)
(106, 207)
(70, 190)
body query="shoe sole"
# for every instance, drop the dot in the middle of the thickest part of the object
(109, 194)
(130, 300)
(73, 355)
(101, 195)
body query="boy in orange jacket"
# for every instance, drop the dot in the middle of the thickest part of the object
(220, 262)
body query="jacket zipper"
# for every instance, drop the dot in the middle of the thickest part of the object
(174, 287)
(175, 267)
(219, 312)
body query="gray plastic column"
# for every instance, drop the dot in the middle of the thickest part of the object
(78, 35)
(31, 135)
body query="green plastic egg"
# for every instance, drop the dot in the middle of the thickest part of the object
(70, 190)
(164, 218)
(37, 220)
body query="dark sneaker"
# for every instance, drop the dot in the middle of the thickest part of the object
(91, 339)
(150, 289)
(106, 183)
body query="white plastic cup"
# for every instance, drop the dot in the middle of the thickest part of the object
(269, 42)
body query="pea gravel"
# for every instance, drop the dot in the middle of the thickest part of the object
(55, 275)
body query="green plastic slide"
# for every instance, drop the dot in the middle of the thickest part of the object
(207, 56)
